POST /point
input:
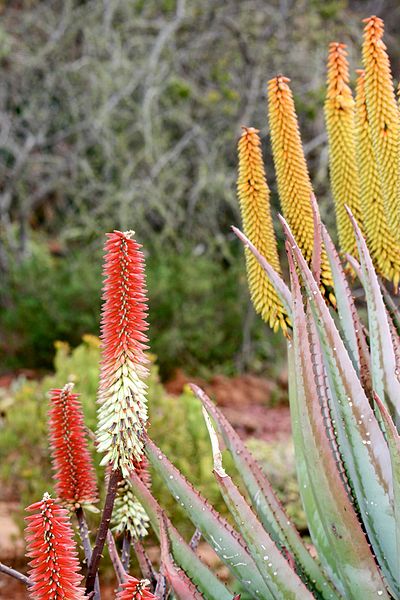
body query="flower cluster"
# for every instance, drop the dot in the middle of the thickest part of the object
(54, 568)
(72, 463)
(254, 197)
(129, 515)
(294, 184)
(383, 246)
(123, 412)
(135, 589)
(384, 117)
(340, 124)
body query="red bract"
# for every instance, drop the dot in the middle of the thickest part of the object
(142, 469)
(54, 568)
(72, 463)
(134, 589)
(123, 413)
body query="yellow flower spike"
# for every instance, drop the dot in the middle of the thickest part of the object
(339, 117)
(294, 183)
(384, 118)
(384, 249)
(254, 196)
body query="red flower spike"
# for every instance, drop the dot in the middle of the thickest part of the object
(122, 395)
(54, 568)
(134, 589)
(74, 472)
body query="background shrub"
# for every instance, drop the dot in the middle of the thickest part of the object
(176, 422)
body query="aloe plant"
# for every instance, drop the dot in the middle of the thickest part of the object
(344, 386)
(346, 445)
(343, 374)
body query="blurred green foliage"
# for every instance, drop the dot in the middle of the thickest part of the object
(175, 424)
(125, 116)
(196, 305)
(47, 298)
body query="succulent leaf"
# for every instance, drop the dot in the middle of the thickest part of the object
(393, 439)
(337, 534)
(384, 368)
(276, 571)
(362, 445)
(183, 555)
(266, 504)
(349, 320)
(182, 585)
(225, 541)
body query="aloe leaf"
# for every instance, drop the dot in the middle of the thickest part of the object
(362, 445)
(279, 576)
(383, 360)
(266, 504)
(347, 551)
(350, 323)
(392, 309)
(355, 265)
(280, 286)
(183, 587)
(225, 541)
(393, 439)
(317, 246)
(200, 574)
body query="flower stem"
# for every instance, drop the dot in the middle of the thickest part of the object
(126, 551)
(87, 548)
(115, 559)
(144, 563)
(16, 574)
(115, 477)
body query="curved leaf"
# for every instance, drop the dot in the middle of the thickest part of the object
(279, 576)
(350, 323)
(226, 542)
(205, 579)
(266, 504)
(337, 534)
(383, 360)
(183, 587)
(394, 448)
(362, 445)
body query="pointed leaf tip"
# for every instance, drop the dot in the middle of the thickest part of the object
(217, 456)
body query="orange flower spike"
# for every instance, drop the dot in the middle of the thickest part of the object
(384, 118)
(384, 249)
(293, 179)
(74, 471)
(254, 203)
(339, 117)
(54, 568)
